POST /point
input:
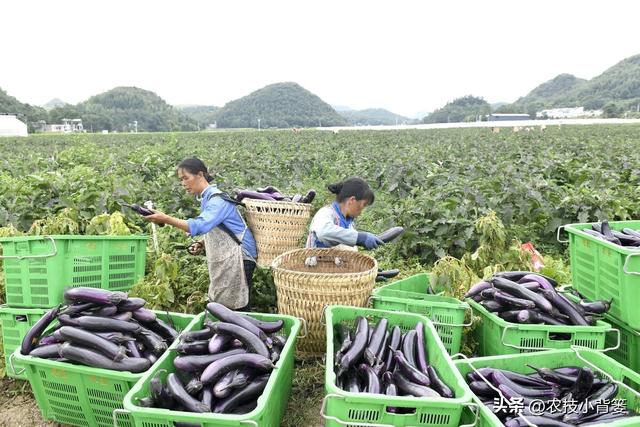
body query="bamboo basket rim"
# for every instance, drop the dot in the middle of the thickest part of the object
(276, 267)
(278, 203)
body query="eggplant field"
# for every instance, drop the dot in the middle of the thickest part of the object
(467, 199)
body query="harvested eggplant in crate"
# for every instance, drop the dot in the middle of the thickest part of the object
(388, 368)
(229, 368)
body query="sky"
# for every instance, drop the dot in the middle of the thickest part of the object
(409, 57)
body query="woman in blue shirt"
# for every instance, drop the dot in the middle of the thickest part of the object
(228, 242)
(333, 225)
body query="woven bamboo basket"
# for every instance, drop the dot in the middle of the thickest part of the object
(278, 227)
(304, 291)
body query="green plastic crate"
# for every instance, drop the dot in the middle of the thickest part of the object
(628, 381)
(602, 270)
(497, 337)
(81, 395)
(410, 295)
(271, 404)
(627, 351)
(16, 322)
(37, 269)
(341, 408)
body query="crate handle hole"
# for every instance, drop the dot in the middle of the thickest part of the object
(400, 411)
(560, 336)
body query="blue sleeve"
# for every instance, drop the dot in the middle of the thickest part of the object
(213, 214)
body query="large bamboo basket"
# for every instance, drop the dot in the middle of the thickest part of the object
(304, 291)
(278, 227)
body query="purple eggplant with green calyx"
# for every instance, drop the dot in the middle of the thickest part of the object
(253, 390)
(193, 348)
(152, 341)
(376, 341)
(412, 389)
(33, 336)
(410, 372)
(217, 369)
(95, 295)
(181, 396)
(163, 329)
(250, 340)
(221, 312)
(198, 363)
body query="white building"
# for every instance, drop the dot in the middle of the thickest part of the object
(67, 126)
(11, 126)
(567, 113)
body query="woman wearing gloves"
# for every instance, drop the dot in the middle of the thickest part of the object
(228, 242)
(333, 225)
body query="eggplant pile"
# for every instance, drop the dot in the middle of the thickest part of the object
(626, 238)
(222, 368)
(381, 359)
(530, 298)
(562, 397)
(102, 329)
(272, 193)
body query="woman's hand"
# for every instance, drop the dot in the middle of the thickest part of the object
(158, 217)
(196, 247)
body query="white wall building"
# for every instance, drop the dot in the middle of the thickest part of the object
(11, 126)
(567, 113)
(67, 126)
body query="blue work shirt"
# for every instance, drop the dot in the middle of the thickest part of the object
(330, 227)
(215, 211)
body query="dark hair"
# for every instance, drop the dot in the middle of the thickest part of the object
(356, 187)
(194, 165)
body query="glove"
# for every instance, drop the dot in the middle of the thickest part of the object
(368, 240)
(195, 248)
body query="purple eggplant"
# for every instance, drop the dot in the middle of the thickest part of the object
(221, 388)
(521, 292)
(115, 337)
(409, 347)
(48, 340)
(33, 336)
(239, 379)
(412, 389)
(421, 350)
(104, 311)
(516, 276)
(198, 363)
(394, 344)
(96, 295)
(49, 351)
(566, 307)
(267, 327)
(536, 421)
(92, 358)
(509, 300)
(499, 378)
(194, 386)
(198, 335)
(103, 324)
(87, 339)
(193, 348)
(250, 340)
(541, 280)
(252, 391)
(358, 345)
(143, 315)
(218, 342)
(222, 313)
(217, 369)
(183, 397)
(375, 342)
(371, 379)
(494, 306)
(163, 329)
(123, 316)
(152, 341)
(437, 384)
(477, 288)
(132, 349)
(597, 307)
(131, 304)
(411, 372)
(391, 234)
(74, 309)
(247, 194)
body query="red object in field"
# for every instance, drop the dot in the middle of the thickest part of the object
(536, 258)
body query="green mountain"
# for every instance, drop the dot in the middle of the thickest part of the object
(25, 112)
(465, 109)
(203, 114)
(279, 105)
(54, 103)
(373, 116)
(119, 109)
(618, 86)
